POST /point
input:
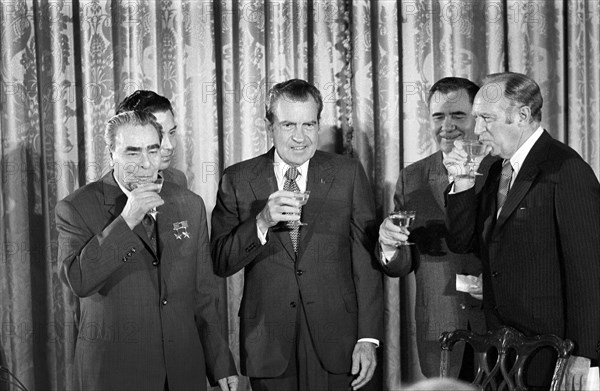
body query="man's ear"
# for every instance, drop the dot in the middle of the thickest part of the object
(524, 114)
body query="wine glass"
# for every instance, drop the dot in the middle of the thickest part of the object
(404, 219)
(302, 197)
(474, 149)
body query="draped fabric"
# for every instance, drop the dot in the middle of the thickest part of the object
(66, 64)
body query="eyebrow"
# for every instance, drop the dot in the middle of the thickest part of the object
(139, 149)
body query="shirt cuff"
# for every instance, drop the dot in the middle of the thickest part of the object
(262, 237)
(372, 340)
(387, 252)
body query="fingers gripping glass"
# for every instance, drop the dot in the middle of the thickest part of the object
(404, 219)
(159, 181)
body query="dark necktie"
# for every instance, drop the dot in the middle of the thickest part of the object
(290, 185)
(150, 226)
(504, 185)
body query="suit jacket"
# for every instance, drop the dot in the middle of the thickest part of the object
(541, 256)
(439, 307)
(175, 176)
(334, 273)
(141, 322)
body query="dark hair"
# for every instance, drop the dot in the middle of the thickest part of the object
(519, 89)
(294, 90)
(144, 100)
(132, 118)
(452, 84)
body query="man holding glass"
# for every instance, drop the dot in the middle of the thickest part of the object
(420, 189)
(311, 314)
(535, 225)
(143, 277)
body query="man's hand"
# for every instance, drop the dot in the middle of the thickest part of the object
(281, 206)
(229, 383)
(364, 361)
(576, 373)
(390, 234)
(140, 201)
(456, 165)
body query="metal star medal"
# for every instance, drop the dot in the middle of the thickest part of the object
(180, 229)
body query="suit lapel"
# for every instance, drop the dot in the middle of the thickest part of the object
(167, 215)
(319, 180)
(525, 179)
(438, 179)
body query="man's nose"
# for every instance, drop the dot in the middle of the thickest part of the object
(166, 143)
(479, 126)
(145, 161)
(448, 124)
(298, 134)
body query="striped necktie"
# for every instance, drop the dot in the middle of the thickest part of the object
(291, 185)
(504, 186)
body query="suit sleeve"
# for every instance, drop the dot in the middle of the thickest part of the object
(461, 218)
(577, 206)
(367, 278)
(234, 242)
(88, 259)
(211, 328)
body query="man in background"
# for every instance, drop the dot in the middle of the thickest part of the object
(439, 306)
(139, 262)
(535, 225)
(160, 107)
(311, 314)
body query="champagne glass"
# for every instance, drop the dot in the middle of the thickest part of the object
(302, 197)
(474, 149)
(159, 181)
(404, 219)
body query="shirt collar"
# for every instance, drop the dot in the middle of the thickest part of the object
(517, 160)
(281, 167)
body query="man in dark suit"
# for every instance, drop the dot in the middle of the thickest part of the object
(439, 306)
(311, 313)
(144, 278)
(535, 225)
(160, 107)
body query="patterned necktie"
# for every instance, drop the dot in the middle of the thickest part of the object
(504, 185)
(150, 226)
(291, 185)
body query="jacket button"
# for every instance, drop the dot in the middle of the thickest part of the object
(293, 304)
(155, 263)
(129, 254)
(495, 274)
(132, 249)
(463, 306)
(124, 259)
(164, 302)
(299, 272)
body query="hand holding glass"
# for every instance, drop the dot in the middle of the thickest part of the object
(404, 219)
(159, 181)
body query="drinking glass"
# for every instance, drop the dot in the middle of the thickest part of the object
(303, 198)
(403, 218)
(474, 149)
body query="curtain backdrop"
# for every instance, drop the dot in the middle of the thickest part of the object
(66, 64)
